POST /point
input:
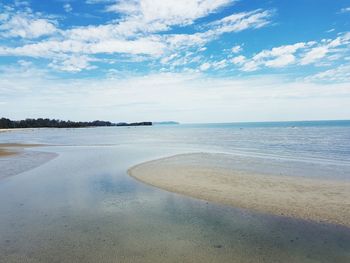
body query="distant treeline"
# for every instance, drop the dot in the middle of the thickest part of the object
(145, 123)
(48, 123)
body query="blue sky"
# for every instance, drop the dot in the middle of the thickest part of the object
(187, 60)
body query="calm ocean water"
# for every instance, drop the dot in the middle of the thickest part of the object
(81, 206)
(314, 141)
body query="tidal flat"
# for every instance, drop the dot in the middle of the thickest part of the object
(82, 206)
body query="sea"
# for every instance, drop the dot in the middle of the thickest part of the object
(71, 199)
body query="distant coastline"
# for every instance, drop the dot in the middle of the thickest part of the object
(166, 123)
(53, 123)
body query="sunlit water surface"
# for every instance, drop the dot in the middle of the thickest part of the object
(82, 207)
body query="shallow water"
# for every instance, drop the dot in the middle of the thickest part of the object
(82, 207)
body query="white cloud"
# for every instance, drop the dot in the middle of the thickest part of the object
(242, 21)
(345, 10)
(236, 49)
(281, 61)
(55, 48)
(136, 33)
(67, 7)
(302, 53)
(219, 64)
(327, 46)
(239, 60)
(229, 24)
(205, 66)
(152, 16)
(21, 3)
(25, 25)
(338, 74)
(72, 63)
(314, 54)
(276, 57)
(170, 12)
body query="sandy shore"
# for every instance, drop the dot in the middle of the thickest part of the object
(15, 129)
(314, 199)
(8, 149)
(4, 152)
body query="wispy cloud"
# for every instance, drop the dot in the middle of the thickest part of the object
(67, 7)
(338, 74)
(302, 53)
(345, 10)
(140, 31)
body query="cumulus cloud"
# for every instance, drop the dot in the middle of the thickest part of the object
(25, 25)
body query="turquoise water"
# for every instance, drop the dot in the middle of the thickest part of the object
(82, 207)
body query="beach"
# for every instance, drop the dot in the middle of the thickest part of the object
(8, 149)
(4, 152)
(204, 177)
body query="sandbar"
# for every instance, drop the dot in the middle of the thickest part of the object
(316, 199)
(8, 149)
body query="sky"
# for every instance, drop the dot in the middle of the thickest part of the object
(185, 60)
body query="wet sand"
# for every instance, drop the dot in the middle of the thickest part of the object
(316, 199)
(4, 152)
(8, 149)
(15, 159)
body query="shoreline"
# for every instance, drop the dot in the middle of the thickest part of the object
(315, 199)
(11, 149)
(6, 153)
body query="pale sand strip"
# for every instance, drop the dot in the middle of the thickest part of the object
(312, 199)
(8, 149)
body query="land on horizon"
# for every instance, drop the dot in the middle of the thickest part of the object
(53, 123)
